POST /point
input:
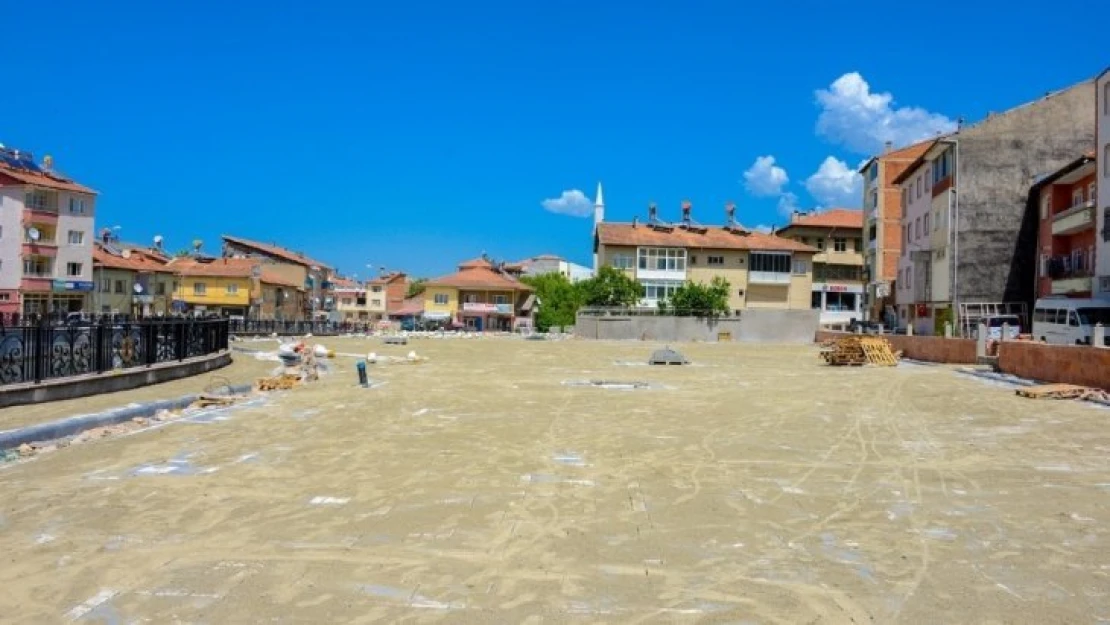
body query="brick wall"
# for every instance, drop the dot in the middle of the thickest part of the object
(1067, 364)
(924, 348)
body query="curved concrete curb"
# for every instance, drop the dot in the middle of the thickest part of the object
(75, 425)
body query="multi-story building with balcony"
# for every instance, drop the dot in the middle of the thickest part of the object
(480, 297)
(838, 284)
(386, 293)
(763, 270)
(1102, 181)
(1066, 201)
(46, 238)
(131, 281)
(294, 267)
(882, 215)
(247, 288)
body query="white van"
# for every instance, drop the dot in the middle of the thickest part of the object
(1065, 321)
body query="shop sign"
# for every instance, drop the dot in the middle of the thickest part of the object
(479, 308)
(61, 286)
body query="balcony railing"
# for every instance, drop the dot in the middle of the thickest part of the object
(1075, 219)
(768, 277)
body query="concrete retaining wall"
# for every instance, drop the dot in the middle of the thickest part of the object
(924, 348)
(752, 326)
(95, 384)
(1065, 364)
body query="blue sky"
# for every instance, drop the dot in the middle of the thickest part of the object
(416, 135)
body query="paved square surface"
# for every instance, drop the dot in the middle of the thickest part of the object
(754, 486)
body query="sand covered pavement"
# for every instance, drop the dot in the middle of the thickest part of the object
(755, 486)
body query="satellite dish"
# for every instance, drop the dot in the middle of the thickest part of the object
(48, 162)
(157, 239)
(197, 243)
(138, 288)
(125, 254)
(33, 233)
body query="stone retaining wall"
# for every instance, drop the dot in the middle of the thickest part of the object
(1065, 364)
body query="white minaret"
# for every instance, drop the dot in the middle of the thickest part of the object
(599, 216)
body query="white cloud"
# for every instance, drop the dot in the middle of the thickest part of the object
(835, 184)
(572, 202)
(862, 121)
(764, 178)
(788, 203)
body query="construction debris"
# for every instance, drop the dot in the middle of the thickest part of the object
(283, 382)
(1063, 391)
(858, 350)
(395, 340)
(667, 356)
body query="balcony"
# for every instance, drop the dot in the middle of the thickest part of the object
(45, 216)
(768, 277)
(1069, 285)
(1075, 219)
(1070, 274)
(37, 282)
(661, 274)
(42, 247)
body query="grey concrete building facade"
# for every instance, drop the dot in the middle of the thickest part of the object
(993, 243)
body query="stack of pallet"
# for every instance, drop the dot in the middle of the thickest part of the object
(857, 350)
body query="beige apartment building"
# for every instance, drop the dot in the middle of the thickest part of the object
(763, 270)
(838, 284)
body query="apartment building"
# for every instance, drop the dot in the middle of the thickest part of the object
(313, 276)
(838, 285)
(882, 212)
(387, 293)
(480, 297)
(1102, 181)
(1066, 229)
(763, 270)
(350, 300)
(131, 282)
(920, 300)
(46, 237)
(246, 288)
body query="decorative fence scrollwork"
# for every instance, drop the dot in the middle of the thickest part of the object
(33, 353)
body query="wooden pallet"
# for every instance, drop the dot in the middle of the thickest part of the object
(878, 351)
(859, 350)
(282, 382)
(1057, 391)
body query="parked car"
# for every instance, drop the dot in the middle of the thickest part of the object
(1066, 321)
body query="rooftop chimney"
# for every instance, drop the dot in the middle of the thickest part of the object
(653, 213)
(635, 221)
(686, 206)
(888, 146)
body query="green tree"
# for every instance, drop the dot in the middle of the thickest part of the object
(611, 287)
(694, 299)
(416, 287)
(559, 299)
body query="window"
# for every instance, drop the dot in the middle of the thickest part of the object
(662, 259)
(232, 289)
(840, 302)
(815, 300)
(106, 285)
(378, 303)
(622, 261)
(909, 277)
(76, 206)
(119, 286)
(936, 220)
(840, 245)
(37, 266)
(73, 270)
(161, 288)
(942, 167)
(716, 260)
(347, 301)
(655, 291)
(804, 240)
(905, 197)
(5, 297)
(1091, 194)
(441, 298)
(917, 229)
(76, 237)
(1106, 99)
(500, 299)
(199, 288)
(801, 267)
(1, 232)
(1077, 196)
(925, 224)
(928, 179)
(773, 263)
(857, 244)
(36, 200)
(375, 289)
(470, 298)
(821, 244)
(1106, 159)
(919, 187)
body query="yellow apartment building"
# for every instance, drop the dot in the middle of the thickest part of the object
(237, 287)
(479, 297)
(838, 282)
(763, 270)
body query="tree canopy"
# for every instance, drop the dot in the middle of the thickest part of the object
(611, 287)
(559, 300)
(694, 299)
(416, 287)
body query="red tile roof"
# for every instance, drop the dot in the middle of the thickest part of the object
(831, 218)
(136, 261)
(411, 306)
(49, 181)
(479, 274)
(277, 252)
(390, 277)
(713, 238)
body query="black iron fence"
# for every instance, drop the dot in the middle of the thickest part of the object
(46, 351)
(297, 328)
